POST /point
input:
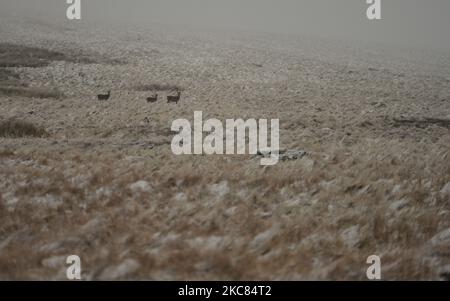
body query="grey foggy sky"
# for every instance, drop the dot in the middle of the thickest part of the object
(421, 23)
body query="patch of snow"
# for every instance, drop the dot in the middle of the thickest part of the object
(142, 186)
(399, 205)
(127, 267)
(220, 189)
(446, 189)
(351, 236)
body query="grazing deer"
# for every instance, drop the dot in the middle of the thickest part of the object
(104, 96)
(175, 99)
(152, 98)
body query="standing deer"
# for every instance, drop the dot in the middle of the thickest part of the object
(175, 99)
(152, 98)
(104, 96)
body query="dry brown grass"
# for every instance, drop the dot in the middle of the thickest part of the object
(17, 129)
(6, 75)
(106, 186)
(12, 55)
(209, 218)
(20, 56)
(37, 92)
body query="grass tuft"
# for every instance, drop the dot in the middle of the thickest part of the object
(17, 129)
(36, 92)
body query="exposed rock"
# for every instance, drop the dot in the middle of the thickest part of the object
(284, 155)
(379, 104)
(293, 155)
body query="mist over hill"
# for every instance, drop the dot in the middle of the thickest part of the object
(417, 23)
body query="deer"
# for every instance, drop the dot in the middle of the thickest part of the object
(104, 96)
(152, 98)
(175, 99)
